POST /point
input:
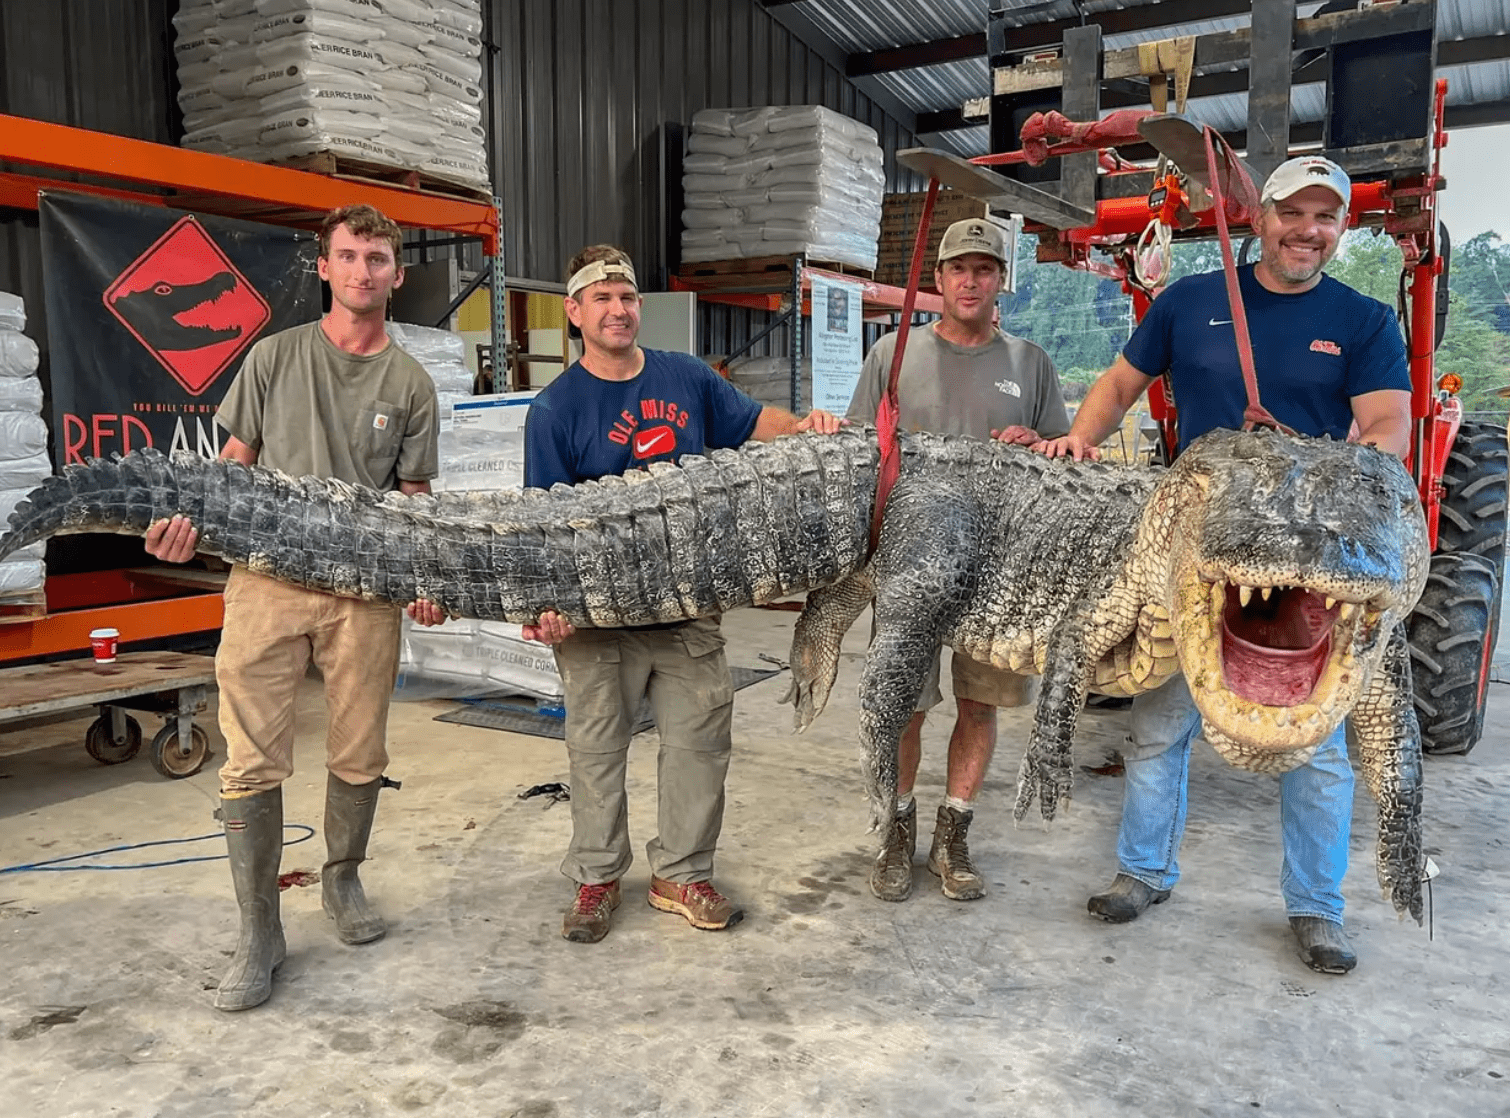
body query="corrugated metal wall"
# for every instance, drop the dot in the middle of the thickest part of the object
(585, 92)
(99, 64)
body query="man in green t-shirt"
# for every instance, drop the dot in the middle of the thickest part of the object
(334, 398)
(961, 376)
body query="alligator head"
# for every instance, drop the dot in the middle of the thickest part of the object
(1290, 563)
(153, 313)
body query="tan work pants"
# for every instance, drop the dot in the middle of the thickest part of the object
(606, 672)
(272, 631)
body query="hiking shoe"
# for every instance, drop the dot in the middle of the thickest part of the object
(703, 906)
(1324, 945)
(591, 914)
(1124, 900)
(891, 875)
(950, 856)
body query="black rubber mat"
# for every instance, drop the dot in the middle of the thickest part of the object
(548, 720)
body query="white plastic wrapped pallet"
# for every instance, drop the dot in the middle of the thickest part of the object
(23, 441)
(394, 82)
(779, 181)
(464, 657)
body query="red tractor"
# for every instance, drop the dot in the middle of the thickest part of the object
(1388, 134)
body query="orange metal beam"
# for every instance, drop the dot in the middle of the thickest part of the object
(58, 147)
(137, 621)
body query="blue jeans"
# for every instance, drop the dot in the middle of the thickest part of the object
(1315, 806)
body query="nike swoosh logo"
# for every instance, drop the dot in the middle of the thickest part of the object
(644, 445)
(1223, 322)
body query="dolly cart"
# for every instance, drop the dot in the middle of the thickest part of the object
(171, 684)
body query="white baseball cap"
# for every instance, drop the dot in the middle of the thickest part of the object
(974, 234)
(1295, 175)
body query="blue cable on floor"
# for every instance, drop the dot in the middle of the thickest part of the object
(52, 866)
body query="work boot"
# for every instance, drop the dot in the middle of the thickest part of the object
(1125, 899)
(254, 842)
(703, 906)
(591, 913)
(1324, 945)
(891, 875)
(349, 809)
(950, 856)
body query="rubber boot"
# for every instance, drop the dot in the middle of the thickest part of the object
(349, 809)
(254, 840)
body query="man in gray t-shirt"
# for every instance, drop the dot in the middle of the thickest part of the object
(960, 376)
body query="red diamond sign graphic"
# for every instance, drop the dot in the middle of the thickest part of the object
(188, 305)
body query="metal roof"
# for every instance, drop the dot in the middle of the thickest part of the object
(859, 27)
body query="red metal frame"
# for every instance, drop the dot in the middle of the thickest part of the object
(204, 183)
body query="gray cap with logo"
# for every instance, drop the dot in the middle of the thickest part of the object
(974, 234)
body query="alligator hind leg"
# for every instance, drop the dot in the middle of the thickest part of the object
(924, 571)
(825, 619)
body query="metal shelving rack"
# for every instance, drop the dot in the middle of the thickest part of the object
(155, 603)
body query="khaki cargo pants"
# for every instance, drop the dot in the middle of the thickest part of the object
(272, 632)
(682, 670)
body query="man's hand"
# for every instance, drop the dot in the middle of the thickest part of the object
(425, 612)
(552, 629)
(1068, 446)
(172, 541)
(1016, 435)
(824, 423)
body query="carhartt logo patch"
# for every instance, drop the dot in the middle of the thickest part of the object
(1321, 345)
(380, 423)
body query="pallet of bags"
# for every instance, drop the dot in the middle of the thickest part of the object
(380, 83)
(781, 181)
(464, 658)
(24, 461)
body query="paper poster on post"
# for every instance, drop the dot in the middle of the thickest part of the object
(837, 342)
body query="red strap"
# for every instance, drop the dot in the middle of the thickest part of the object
(888, 410)
(1245, 200)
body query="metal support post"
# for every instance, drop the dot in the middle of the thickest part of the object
(1082, 101)
(1273, 34)
(498, 324)
(798, 265)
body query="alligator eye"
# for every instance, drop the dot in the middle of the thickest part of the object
(163, 289)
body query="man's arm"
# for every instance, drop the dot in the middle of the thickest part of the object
(1105, 405)
(772, 423)
(1383, 419)
(173, 541)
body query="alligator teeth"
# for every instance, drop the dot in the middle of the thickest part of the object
(1218, 597)
(1330, 602)
(1347, 612)
(1244, 595)
(1266, 591)
(1282, 717)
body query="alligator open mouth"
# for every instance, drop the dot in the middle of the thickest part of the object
(1275, 661)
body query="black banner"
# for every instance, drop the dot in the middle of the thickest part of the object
(149, 314)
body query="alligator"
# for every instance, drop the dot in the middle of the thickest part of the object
(154, 312)
(1275, 572)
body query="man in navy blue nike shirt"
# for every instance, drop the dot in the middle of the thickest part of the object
(619, 408)
(1327, 358)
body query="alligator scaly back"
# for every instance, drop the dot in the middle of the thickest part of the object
(736, 528)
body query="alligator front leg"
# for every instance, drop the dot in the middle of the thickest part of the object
(925, 576)
(826, 617)
(1389, 750)
(1047, 771)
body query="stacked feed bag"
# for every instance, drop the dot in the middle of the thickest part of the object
(442, 354)
(390, 82)
(768, 380)
(23, 441)
(779, 182)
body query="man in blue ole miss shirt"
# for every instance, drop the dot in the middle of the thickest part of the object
(621, 407)
(1326, 358)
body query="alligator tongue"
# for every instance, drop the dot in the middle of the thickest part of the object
(1274, 656)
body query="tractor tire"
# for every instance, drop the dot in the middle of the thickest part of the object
(1472, 523)
(1449, 650)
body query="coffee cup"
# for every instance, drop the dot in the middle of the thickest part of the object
(102, 642)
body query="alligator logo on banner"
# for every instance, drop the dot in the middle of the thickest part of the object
(150, 312)
(185, 301)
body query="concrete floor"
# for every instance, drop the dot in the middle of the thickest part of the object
(824, 1002)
